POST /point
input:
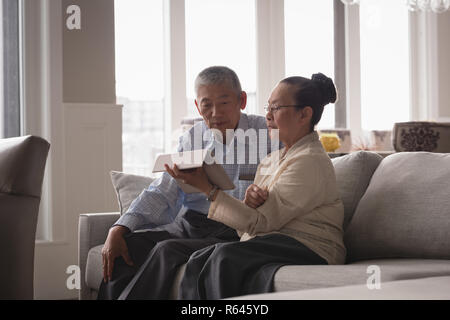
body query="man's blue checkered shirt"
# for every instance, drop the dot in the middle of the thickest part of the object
(161, 202)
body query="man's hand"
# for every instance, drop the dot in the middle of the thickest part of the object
(194, 177)
(255, 196)
(115, 246)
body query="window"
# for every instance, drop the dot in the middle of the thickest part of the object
(218, 32)
(10, 112)
(309, 43)
(221, 33)
(139, 81)
(384, 63)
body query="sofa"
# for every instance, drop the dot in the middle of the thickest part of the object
(397, 222)
(22, 166)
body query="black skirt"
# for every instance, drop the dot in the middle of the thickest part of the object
(239, 268)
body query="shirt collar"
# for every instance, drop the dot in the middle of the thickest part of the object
(243, 122)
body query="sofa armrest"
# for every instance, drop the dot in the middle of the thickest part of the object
(92, 231)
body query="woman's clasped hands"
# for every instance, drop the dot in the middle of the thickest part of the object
(255, 196)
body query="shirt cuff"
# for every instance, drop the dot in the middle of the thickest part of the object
(128, 220)
(212, 213)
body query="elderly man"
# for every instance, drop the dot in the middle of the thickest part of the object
(136, 261)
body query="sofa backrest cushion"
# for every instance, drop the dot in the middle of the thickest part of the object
(353, 173)
(405, 212)
(128, 187)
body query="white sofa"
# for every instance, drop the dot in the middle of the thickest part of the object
(397, 218)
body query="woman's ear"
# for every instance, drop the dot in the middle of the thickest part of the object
(307, 113)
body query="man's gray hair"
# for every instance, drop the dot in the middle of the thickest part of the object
(218, 75)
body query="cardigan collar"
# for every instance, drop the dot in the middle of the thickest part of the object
(309, 138)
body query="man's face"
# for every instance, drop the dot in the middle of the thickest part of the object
(220, 106)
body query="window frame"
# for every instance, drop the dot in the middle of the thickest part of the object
(270, 63)
(270, 52)
(11, 120)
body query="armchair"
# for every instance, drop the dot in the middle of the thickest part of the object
(22, 164)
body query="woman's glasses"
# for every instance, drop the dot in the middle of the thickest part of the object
(273, 109)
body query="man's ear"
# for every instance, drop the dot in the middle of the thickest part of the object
(243, 100)
(198, 109)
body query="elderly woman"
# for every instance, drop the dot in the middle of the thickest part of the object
(291, 215)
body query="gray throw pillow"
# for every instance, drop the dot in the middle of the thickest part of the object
(353, 173)
(128, 187)
(405, 212)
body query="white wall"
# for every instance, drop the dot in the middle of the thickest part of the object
(70, 101)
(88, 64)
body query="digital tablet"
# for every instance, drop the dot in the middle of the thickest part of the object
(194, 159)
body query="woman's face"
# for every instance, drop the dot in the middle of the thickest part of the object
(291, 123)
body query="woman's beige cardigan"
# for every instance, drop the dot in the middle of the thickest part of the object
(303, 201)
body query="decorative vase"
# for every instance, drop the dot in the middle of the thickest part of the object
(330, 141)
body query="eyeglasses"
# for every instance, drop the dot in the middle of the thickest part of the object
(274, 109)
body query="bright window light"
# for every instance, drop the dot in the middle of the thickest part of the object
(221, 33)
(309, 43)
(384, 63)
(139, 81)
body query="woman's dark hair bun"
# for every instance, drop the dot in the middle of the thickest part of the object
(326, 87)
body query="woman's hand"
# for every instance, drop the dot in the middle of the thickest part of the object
(194, 177)
(255, 196)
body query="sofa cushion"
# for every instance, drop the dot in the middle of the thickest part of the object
(405, 212)
(128, 187)
(432, 288)
(311, 277)
(94, 268)
(353, 173)
(323, 276)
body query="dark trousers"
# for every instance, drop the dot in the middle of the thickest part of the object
(239, 268)
(157, 255)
